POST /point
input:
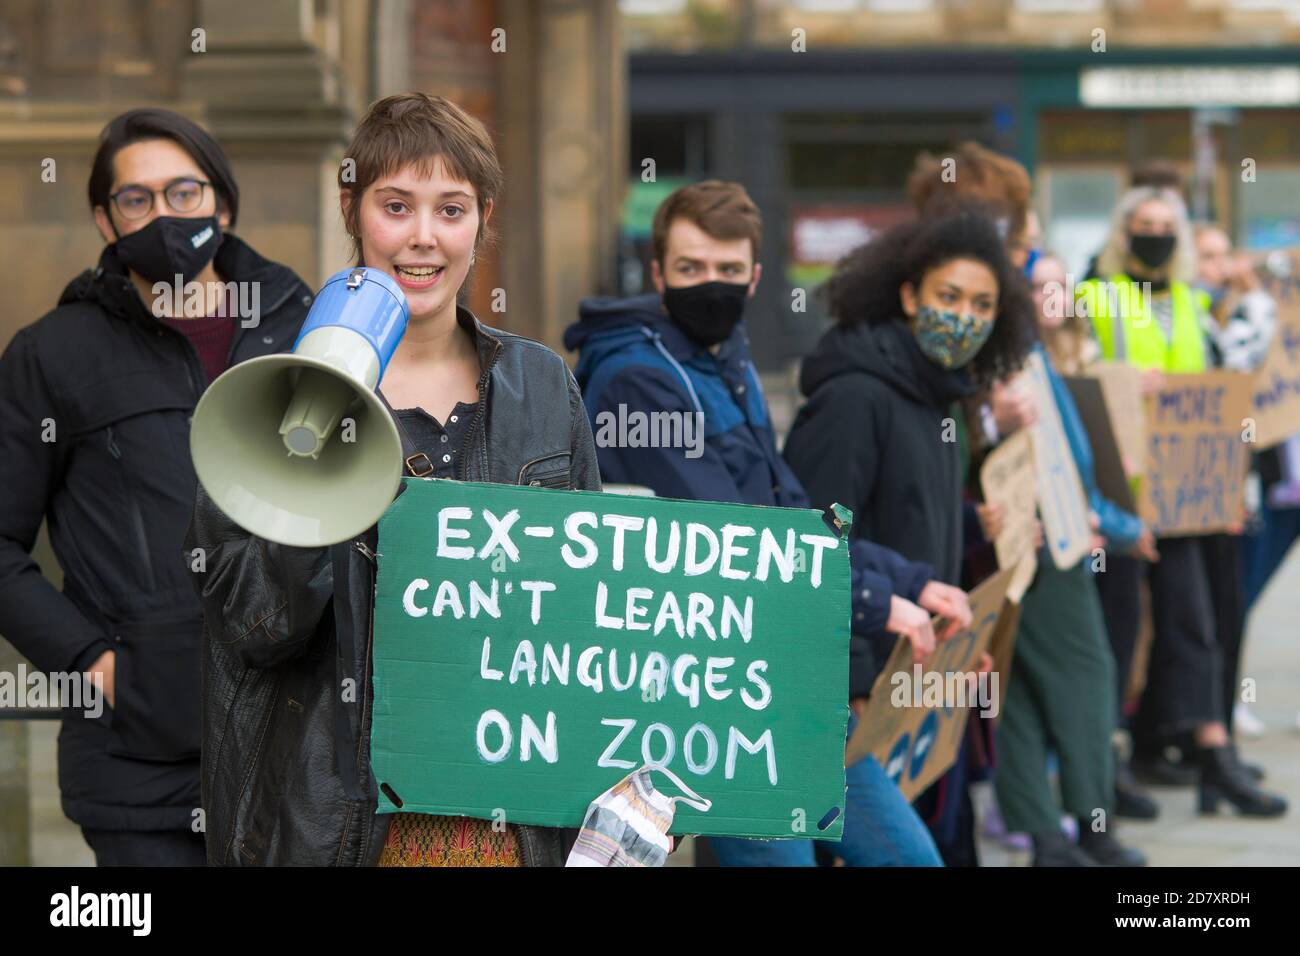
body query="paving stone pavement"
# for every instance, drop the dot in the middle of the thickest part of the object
(1181, 837)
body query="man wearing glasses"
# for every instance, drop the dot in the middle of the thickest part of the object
(95, 406)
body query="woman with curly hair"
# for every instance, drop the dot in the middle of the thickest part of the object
(926, 313)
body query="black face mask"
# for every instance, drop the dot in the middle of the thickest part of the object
(707, 312)
(1152, 251)
(171, 246)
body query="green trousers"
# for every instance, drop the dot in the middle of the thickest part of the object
(1060, 698)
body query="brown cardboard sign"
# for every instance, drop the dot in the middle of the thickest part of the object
(1107, 463)
(916, 716)
(1276, 398)
(1007, 478)
(1061, 500)
(1002, 646)
(1196, 459)
(1022, 576)
(1121, 387)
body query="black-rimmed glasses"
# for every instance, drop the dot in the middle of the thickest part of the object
(182, 195)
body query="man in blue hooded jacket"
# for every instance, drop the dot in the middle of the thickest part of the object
(676, 406)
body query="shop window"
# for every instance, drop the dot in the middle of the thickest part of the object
(677, 144)
(1078, 204)
(1269, 208)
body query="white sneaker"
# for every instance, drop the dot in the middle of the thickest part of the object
(1246, 722)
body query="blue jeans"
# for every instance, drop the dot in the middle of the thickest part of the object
(1265, 549)
(880, 829)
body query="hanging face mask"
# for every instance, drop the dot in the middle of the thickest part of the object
(1152, 251)
(949, 339)
(707, 312)
(627, 825)
(171, 246)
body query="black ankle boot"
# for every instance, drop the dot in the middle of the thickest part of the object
(1223, 778)
(1105, 850)
(1191, 760)
(1130, 799)
(1158, 770)
(1055, 849)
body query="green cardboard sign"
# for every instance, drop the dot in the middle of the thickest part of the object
(532, 647)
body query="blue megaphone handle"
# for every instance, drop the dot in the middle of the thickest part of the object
(368, 302)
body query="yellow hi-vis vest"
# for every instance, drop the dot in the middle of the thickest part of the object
(1128, 332)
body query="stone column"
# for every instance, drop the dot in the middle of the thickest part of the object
(562, 129)
(273, 95)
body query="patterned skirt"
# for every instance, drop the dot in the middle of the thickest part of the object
(418, 839)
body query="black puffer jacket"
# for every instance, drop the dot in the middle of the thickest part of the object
(111, 390)
(287, 688)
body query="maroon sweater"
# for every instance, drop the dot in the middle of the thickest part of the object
(211, 336)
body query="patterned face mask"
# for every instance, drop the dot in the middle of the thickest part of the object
(627, 825)
(949, 339)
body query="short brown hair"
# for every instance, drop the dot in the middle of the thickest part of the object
(415, 128)
(992, 180)
(723, 210)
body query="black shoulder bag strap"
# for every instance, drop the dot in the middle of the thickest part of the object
(418, 464)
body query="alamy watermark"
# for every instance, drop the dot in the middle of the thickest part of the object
(181, 299)
(638, 429)
(74, 908)
(932, 689)
(24, 689)
(1065, 300)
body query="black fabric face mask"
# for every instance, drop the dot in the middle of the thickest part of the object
(171, 246)
(1152, 251)
(707, 312)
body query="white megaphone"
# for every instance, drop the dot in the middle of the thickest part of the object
(266, 438)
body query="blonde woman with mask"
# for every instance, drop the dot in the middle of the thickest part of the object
(1144, 312)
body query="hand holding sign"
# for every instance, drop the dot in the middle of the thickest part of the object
(950, 604)
(1145, 546)
(915, 717)
(1152, 381)
(912, 623)
(993, 518)
(1014, 406)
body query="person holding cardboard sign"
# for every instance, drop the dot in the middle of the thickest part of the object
(1144, 312)
(1061, 600)
(288, 692)
(1062, 697)
(923, 312)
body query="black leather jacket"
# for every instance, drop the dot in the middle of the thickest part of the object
(287, 677)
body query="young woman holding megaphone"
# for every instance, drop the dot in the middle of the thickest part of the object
(286, 773)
